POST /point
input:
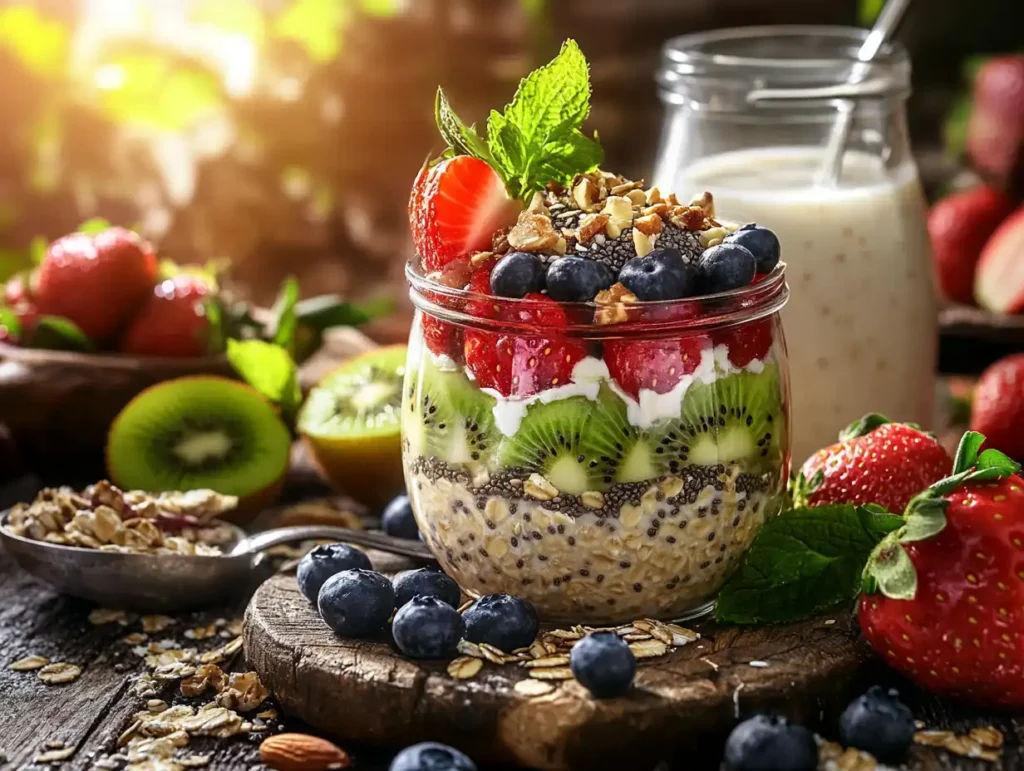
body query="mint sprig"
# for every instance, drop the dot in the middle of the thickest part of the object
(802, 562)
(537, 139)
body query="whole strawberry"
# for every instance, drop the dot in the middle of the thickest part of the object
(875, 461)
(946, 599)
(96, 281)
(172, 322)
(998, 407)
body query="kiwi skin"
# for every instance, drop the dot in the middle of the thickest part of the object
(249, 505)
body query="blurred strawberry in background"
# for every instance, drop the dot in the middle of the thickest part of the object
(959, 226)
(995, 132)
(999, 285)
(998, 408)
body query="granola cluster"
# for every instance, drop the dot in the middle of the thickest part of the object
(608, 218)
(103, 517)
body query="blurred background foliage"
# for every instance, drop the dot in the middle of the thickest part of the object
(283, 134)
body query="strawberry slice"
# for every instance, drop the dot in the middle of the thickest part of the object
(999, 284)
(455, 208)
(523, 365)
(746, 342)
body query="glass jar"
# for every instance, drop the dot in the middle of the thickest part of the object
(610, 496)
(749, 112)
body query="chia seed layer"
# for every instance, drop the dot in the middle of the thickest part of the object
(657, 549)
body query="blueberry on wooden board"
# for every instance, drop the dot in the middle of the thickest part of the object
(324, 561)
(356, 603)
(431, 756)
(427, 582)
(603, 664)
(427, 628)
(770, 743)
(504, 621)
(879, 723)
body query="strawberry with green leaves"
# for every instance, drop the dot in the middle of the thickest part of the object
(945, 592)
(96, 281)
(875, 461)
(478, 186)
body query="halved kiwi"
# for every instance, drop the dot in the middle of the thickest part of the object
(199, 432)
(351, 421)
(449, 418)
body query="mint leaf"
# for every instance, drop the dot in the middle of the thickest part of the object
(803, 562)
(283, 322)
(217, 336)
(552, 100)
(537, 139)
(9, 322)
(325, 311)
(57, 333)
(456, 134)
(270, 370)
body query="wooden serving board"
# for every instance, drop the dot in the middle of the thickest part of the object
(683, 704)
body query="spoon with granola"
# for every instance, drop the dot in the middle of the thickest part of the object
(156, 552)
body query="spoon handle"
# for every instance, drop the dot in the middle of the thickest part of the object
(258, 542)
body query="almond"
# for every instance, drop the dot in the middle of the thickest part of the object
(302, 752)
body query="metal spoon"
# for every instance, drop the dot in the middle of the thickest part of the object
(886, 24)
(166, 583)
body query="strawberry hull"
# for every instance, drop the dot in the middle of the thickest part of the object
(604, 472)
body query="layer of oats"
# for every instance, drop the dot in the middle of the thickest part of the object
(655, 549)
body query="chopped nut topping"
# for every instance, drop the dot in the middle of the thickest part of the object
(613, 302)
(534, 233)
(643, 244)
(705, 201)
(585, 194)
(649, 225)
(590, 226)
(984, 743)
(654, 196)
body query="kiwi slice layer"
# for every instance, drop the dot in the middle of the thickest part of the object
(449, 418)
(198, 432)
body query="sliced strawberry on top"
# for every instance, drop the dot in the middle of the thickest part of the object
(746, 342)
(454, 209)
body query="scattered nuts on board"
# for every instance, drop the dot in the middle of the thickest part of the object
(302, 752)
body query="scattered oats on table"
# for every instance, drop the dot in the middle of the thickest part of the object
(55, 755)
(464, 667)
(29, 663)
(59, 673)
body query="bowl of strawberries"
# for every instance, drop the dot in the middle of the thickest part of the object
(101, 318)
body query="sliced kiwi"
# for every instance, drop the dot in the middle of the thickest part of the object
(361, 399)
(550, 441)
(198, 432)
(736, 418)
(448, 417)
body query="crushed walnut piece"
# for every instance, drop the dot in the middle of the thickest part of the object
(982, 743)
(534, 233)
(612, 304)
(105, 518)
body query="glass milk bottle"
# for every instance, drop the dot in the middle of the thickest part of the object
(748, 115)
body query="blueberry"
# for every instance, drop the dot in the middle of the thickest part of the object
(768, 743)
(577, 279)
(504, 621)
(356, 603)
(604, 664)
(427, 628)
(398, 519)
(661, 275)
(879, 723)
(427, 582)
(760, 242)
(431, 756)
(725, 267)
(324, 561)
(517, 274)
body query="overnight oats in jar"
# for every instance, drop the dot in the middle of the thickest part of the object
(595, 411)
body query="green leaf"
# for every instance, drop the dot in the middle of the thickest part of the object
(994, 459)
(967, 451)
(925, 517)
(865, 425)
(325, 311)
(803, 562)
(801, 488)
(890, 570)
(57, 333)
(37, 249)
(9, 323)
(217, 337)
(456, 134)
(38, 42)
(284, 323)
(509, 152)
(568, 156)
(93, 226)
(270, 370)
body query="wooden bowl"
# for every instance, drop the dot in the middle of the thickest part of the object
(59, 405)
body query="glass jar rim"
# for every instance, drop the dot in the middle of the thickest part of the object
(650, 318)
(815, 59)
